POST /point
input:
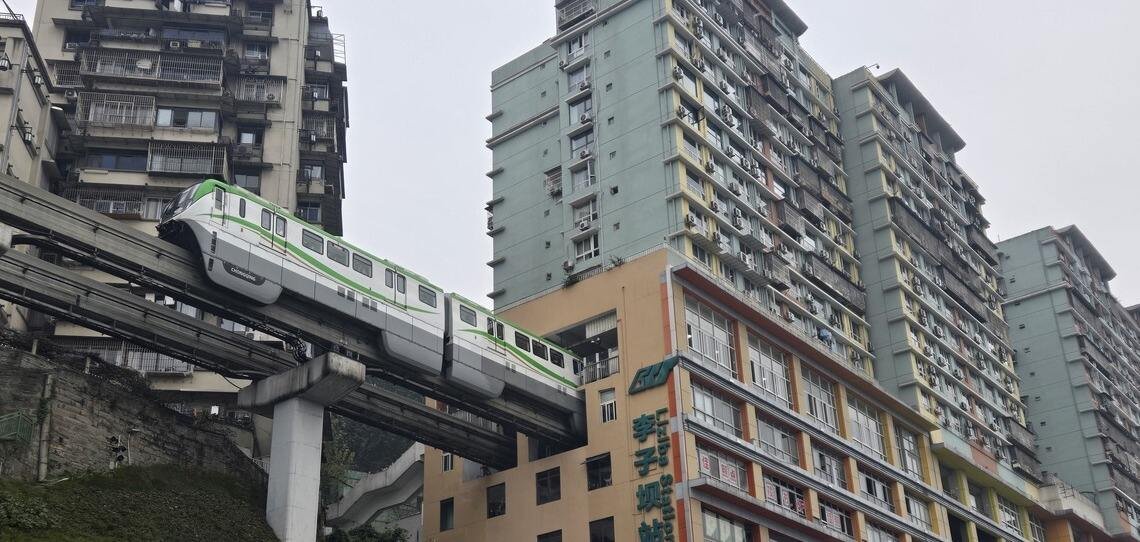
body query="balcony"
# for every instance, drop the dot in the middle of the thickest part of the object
(247, 154)
(790, 219)
(1062, 499)
(599, 370)
(836, 284)
(65, 74)
(16, 427)
(923, 236)
(168, 158)
(258, 89)
(309, 184)
(115, 110)
(812, 209)
(135, 66)
(986, 248)
(573, 11)
(966, 295)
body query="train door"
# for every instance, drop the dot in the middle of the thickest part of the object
(397, 285)
(280, 225)
(218, 213)
(495, 330)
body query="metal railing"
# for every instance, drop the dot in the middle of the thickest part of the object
(267, 90)
(187, 158)
(600, 370)
(65, 74)
(151, 66)
(574, 10)
(115, 110)
(16, 427)
(322, 127)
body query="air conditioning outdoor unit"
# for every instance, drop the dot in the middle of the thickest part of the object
(584, 224)
(175, 45)
(568, 265)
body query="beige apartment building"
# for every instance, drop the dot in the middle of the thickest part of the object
(155, 96)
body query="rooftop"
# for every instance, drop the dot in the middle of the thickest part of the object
(908, 92)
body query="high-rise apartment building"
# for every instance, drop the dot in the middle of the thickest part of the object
(934, 297)
(671, 200)
(1078, 354)
(159, 95)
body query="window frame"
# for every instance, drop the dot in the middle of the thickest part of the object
(500, 490)
(427, 296)
(340, 249)
(464, 311)
(548, 486)
(598, 477)
(313, 242)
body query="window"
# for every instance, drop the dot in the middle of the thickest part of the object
(833, 517)
(784, 495)
(153, 208)
(548, 486)
(723, 467)
(312, 241)
(778, 441)
(769, 369)
(876, 491)
(585, 106)
(866, 426)
(608, 401)
(338, 253)
(878, 533)
(598, 472)
(496, 500)
(908, 451)
(75, 36)
(710, 336)
(251, 182)
(260, 14)
(581, 142)
(266, 219)
(1008, 514)
(309, 211)
(583, 177)
(918, 511)
(116, 160)
(829, 467)
(694, 183)
(820, 398)
(361, 265)
(280, 222)
(468, 316)
(577, 77)
(538, 349)
(446, 514)
(256, 51)
(602, 530)
(249, 136)
(522, 341)
(427, 296)
(311, 172)
(586, 248)
(241, 207)
(186, 118)
(401, 283)
(1036, 529)
(576, 46)
(718, 528)
(557, 359)
(448, 461)
(586, 211)
(552, 536)
(716, 410)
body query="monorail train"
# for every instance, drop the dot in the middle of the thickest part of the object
(257, 249)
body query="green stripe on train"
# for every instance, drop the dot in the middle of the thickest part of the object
(525, 358)
(306, 258)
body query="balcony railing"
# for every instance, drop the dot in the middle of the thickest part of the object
(790, 219)
(186, 158)
(65, 74)
(247, 153)
(982, 244)
(137, 65)
(16, 427)
(574, 10)
(257, 89)
(600, 370)
(115, 110)
(823, 274)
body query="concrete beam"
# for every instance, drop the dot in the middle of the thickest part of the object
(323, 380)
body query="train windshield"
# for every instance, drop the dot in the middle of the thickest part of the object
(179, 203)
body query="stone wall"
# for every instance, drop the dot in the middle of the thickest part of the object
(87, 405)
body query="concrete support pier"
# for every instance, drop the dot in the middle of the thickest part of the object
(299, 397)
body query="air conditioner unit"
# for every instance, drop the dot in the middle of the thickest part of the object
(585, 153)
(724, 86)
(691, 220)
(568, 265)
(729, 151)
(175, 45)
(964, 406)
(710, 167)
(584, 224)
(716, 206)
(722, 54)
(584, 85)
(700, 64)
(735, 188)
(958, 374)
(71, 95)
(788, 63)
(585, 118)
(719, 19)
(739, 222)
(682, 112)
(993, 427)
(71, 46)
(928, 351)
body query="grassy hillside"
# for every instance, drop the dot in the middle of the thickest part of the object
(135, 503)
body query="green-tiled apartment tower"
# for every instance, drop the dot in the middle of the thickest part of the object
(1078, 354)
(934, 289)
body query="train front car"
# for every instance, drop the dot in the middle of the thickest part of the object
(206, 218)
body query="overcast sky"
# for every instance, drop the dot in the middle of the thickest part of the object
(1043, 92)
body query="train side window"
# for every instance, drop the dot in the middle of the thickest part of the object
(219, 198)
(556, 358)
(522, 341)
(468, 316)
(281, 227)
(362, 265)
(499, 330)
(338, 253)
(312, 241)
(266, 219)
(427, 295)
(491, 326)
(389, 277)
(401, 283)
(539, 349)
(241, 207)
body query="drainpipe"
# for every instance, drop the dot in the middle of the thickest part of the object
(45, 426)
(20, 70)
(682, 441)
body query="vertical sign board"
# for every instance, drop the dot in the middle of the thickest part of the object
(655, 492)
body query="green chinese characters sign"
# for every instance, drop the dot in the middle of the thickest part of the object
(653, 495)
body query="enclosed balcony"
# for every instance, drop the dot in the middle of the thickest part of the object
(570, 12)
(986, 248)
(828, 278)
(135, 66)
(190, 159)
(119, 111)
(256, 89)
(790, 219)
